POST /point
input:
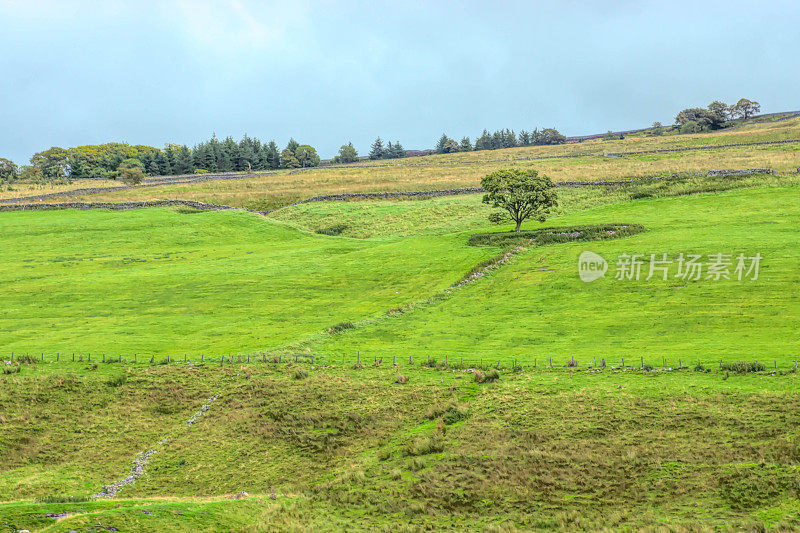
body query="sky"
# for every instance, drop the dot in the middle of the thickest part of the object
(328, 73)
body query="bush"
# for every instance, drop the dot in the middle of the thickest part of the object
(299, 373)
(700, 368)
(742, 367)
(131, 175)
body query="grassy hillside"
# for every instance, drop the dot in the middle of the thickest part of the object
(537, 306)
(345, 448)
(336, 410)
(169, 282)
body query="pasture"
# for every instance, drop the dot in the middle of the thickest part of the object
(337, 360)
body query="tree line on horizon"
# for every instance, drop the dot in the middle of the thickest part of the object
(133, 162)
(110, 160)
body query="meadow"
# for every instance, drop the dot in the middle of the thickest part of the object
(373, 365)
(318, 447)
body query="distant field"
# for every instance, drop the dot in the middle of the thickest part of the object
(466, 169)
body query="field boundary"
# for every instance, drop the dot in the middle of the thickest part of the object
(123, 206)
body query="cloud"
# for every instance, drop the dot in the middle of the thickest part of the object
(224, 27)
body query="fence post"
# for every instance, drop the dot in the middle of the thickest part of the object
(73, 358)
(680, 365)
(641, 360)
(623, 362)
(42, 357)
(89, 359)
(534, 362)
(248, 358)
(58, 356)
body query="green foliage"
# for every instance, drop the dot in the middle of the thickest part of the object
(347, 154)
(131, 175)
(299, 373)
(745, 109)
(288, 160)
(307, 156)
(8, 170)
(545, 236)
(521, 194)
(489, 376)
(376, 151)
(742, 367)
(695, 120)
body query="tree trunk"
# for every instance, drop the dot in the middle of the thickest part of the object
(519, 225)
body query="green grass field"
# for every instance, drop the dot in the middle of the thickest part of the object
(316, 304)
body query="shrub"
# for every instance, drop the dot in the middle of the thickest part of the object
(131, 175)
(341, 326)
(742, 367)
(700, 368)
(299, 373)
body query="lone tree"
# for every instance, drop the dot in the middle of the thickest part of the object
(521, 194)
(745, 108)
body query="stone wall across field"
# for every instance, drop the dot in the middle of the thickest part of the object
(122, 206)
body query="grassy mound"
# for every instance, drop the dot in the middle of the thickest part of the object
(544, 236)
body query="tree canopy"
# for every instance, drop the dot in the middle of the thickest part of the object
(520, 194)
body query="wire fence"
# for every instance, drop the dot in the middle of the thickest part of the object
(443, 362)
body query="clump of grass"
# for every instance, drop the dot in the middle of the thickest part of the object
(299, 373)
(486, 377)
(11, 369)
(700, 368)
(425, 446)
(26, 360)
(63, 499)
(341, 326)
(401, 379)
(336, 229)
(186, 210)
(118, 381)
(357, 365)
(743, 367)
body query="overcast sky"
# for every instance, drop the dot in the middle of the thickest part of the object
(327, 73)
